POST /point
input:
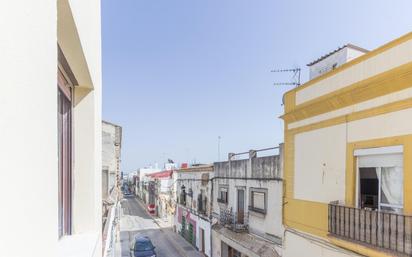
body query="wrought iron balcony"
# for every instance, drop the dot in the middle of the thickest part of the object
(386, 230)
(233, 220)
(219, 200)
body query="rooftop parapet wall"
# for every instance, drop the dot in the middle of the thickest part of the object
(265, 167)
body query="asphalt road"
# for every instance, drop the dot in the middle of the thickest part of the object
(135, 221)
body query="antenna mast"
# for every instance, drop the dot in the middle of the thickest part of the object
(295, 77)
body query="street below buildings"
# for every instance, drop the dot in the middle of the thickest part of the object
(135, 220)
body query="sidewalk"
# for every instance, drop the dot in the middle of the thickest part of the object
(180, 244)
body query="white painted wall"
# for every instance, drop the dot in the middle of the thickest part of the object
(385, 125)
(344, 55)
(200, 223)
(271, 222)
(205, 225)
(28, 132)
(325, 65)
(191, 179)
(320, 157)
(353, 54)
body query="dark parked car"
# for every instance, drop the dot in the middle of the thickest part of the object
(142, 247)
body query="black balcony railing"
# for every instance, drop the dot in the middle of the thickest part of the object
(386, 230)
(233, 220)
(219, 200)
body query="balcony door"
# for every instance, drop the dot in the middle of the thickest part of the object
(240, 205)
(380, 178)
(64, 125)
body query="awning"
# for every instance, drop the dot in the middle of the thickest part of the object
(161, 174)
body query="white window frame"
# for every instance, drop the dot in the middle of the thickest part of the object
(258, 190)
(388, 150)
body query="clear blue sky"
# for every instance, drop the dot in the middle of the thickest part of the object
(179, 73)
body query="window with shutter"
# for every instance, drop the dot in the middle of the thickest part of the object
(258, 200)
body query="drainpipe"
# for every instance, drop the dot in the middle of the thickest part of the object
(210, 213)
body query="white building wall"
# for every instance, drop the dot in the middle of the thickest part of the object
(205, 225)
(323, 167)
(385, 125)
(271, 223)
(352, 54)
(326, 64)
(260, 224)
(200, 223)
(28, 131)
(266, 175)
(320, 161)
(193, 181)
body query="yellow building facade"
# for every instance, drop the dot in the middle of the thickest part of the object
(348, 158)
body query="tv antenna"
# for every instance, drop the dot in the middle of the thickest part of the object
(295, 79)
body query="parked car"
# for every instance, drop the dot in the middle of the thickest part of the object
(141, 246)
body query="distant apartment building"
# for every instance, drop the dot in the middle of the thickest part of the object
(153, 183)
(247, 206)
(348, 163)
(193, 205)
(50, 112)
(163, 184)
(141, 187)
(111, 153)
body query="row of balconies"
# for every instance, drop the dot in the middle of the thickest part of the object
(201, 207)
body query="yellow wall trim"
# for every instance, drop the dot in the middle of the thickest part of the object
(355, 61)
(358, 248)
(379, 110)
(384, 83)
(306, 216)
(289, 164)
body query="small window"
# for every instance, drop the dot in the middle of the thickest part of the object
(183, 195)
(258, 200)
(223, 195)
(202, 202)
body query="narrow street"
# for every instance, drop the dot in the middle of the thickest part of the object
(135, 221)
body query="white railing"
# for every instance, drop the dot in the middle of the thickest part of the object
(109, 248)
